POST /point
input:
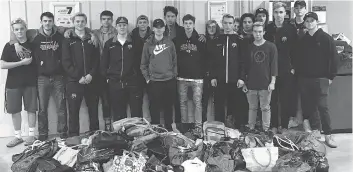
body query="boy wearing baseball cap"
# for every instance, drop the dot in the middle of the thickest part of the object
(316, 67)
(159, 67)
(118, 68)
(261, 15)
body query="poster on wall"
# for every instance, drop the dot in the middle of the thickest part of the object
(321, 13)
(63, 11)
(216, 10)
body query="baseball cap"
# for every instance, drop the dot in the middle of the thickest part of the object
(301, 3)
(312, 15)
(158, 23)
(261, 10)
(122, 20)
(142, 17)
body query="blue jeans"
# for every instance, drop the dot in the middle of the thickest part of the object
(264, 96)
(197, 88)
(55, 86)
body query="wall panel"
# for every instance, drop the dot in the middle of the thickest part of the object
(96, 7)
(18, 9)
(34, 9)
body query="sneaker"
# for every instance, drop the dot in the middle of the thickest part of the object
(30, 140)
(292, 123)
(16, 141)
(306, 126)
(330, 142)
(317, 134)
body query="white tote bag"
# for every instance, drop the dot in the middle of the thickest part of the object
(260, 158)
(67, 156)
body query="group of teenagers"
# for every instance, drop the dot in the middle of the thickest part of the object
(249, 64)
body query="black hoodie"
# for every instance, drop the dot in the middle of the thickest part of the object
(79, 57)
(285, 39)
(317, 56)
(192, 61)
(47, 51)
(137, 44)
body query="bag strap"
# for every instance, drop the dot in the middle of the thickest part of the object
(253, 155)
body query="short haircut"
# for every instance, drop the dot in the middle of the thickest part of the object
(237, 19)
(18, 21)
(189, 17)
(79, 14)
(259, 24)
(106, 13)
(279, 5)
(171, 9)
(228, 16)
(47, 14)
(245, 15)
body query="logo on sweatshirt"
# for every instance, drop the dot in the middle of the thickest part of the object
(159, 48)
(49, 45)
(188, 47)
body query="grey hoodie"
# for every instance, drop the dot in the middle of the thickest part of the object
(159, 60)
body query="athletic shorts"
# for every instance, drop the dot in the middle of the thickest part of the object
(13, 99)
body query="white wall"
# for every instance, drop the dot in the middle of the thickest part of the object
(339, 19)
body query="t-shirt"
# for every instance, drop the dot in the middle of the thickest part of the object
(21, 76)
(262, 65)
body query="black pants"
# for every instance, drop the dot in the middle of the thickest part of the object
(104, 96)
(161, 96)
(75, 93)
(314, 97)
(123, 95)
(284, 101)
(207, 93)
(235, 100)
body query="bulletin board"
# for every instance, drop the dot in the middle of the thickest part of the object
(63, 11)
(216, 10)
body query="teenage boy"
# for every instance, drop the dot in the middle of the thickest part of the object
(261, 14)
(159, 68)
(47, 52)
(246, 22)
(192, 65)
(317, 49)
(298, 23)
(261, 72)
(283, 35)
(139, 36)
(21, 83)
(80, 61)
(117, 67)
(226, 65)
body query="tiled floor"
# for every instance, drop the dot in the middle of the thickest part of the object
(340, 159)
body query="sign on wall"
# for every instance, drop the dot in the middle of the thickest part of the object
(216, 10)
(63, 11)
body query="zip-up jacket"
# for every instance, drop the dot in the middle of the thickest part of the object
(225, 54)
(159, 60)
(192, 61)
(118, 62)
(47, 51)
(178, 30)
(317, 56)
(79, 57)
(137, 44)
(285, 39)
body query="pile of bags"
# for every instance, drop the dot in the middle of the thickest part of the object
(137, 146)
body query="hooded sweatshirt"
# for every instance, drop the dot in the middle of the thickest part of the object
(317, 56)
(47, 51)
(79, 57)
(285, 39)
(192, 61)
(118, 61)
(159, 60)
(137, 44)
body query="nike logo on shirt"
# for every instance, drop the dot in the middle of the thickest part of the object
(159, 48)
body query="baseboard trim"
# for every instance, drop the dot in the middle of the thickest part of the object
(347, 130)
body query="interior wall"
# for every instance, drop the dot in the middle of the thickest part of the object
(338, 15)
